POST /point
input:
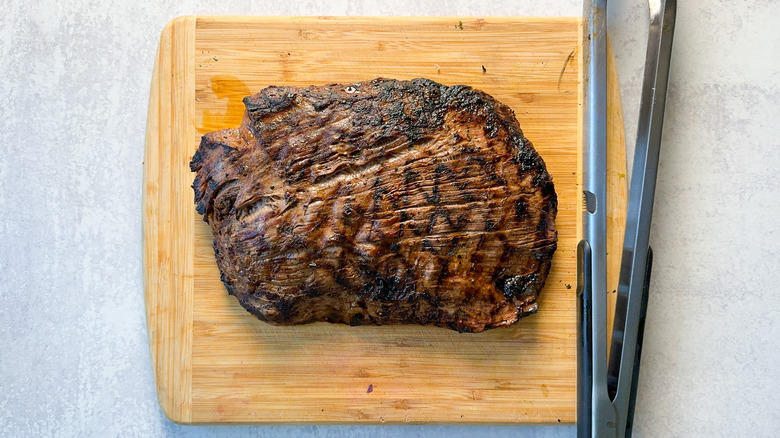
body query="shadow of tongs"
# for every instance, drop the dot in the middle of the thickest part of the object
(607, 383)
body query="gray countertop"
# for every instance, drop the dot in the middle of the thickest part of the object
(74, 82)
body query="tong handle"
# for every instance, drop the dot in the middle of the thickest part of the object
(634, 267)
(640, 335)
(584, 341)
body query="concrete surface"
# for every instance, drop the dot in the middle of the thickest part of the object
(74, 84)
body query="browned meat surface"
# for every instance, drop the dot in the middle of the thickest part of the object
(381, 202)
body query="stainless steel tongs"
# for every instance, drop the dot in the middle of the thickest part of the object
(607, 383)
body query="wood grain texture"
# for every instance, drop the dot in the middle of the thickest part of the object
(168, 219)
(617, 185)
(215, 363)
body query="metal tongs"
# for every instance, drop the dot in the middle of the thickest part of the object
(607, 384)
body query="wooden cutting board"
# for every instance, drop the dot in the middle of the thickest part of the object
(215, 363)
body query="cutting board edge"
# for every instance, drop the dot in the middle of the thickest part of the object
(351, 421)
(202, 19)
(170, 353)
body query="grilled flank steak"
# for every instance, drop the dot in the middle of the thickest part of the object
(381, 202)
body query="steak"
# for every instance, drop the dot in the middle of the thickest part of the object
(379, 202)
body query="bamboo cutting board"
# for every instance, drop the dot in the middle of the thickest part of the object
(215, 363)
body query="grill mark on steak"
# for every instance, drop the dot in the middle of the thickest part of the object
(400, 202)
(346, 170)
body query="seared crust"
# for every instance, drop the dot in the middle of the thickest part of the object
(380, 202)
